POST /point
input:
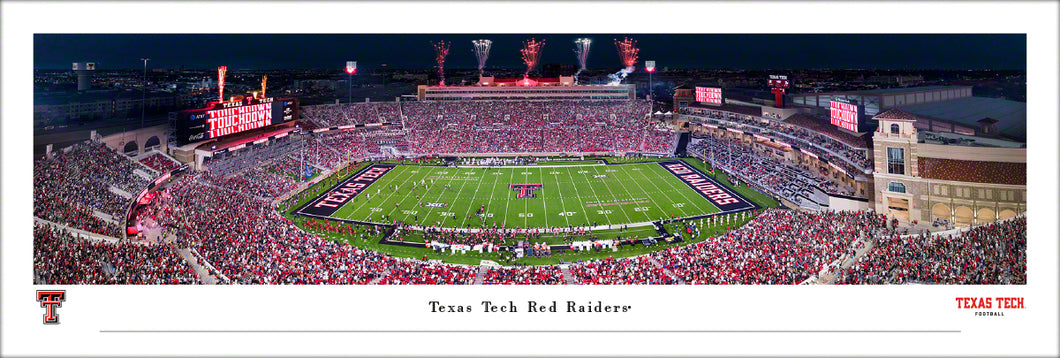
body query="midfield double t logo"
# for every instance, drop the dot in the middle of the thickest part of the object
(525, 190)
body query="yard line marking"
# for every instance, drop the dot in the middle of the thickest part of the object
(615, 198)
(631, 195)
(404, 197)
(597, 197)
(581, 202)
(474, 196)
(442, 193)
(508, 203)
(543, 200)
(488, 204)
(365, 202)
(664, 211)
(560, 197)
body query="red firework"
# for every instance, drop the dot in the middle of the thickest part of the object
(441, 49)
(531, 54)
(627, 50)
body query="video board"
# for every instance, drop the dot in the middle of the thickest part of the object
(226, 118)
(845, 115)
(708, 95)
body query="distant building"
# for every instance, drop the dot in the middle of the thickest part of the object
(879, 100)
(903, 81)
(52, 108)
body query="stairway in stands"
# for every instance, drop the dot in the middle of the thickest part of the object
(682, 144)
(480, 276)
(567, 277)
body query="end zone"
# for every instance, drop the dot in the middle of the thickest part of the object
(327, 204)
(726, 199)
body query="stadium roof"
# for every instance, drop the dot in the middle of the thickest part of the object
(973, 171)
(880, 91)
(1011, 116)
(896, 113)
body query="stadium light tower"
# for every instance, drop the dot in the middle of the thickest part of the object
(650, 67)
(143, 94)
(351, 68)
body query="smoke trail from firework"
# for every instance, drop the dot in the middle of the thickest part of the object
(531, 54)
(581, 47)
(627, 51)
(482, 52)
(441, 49)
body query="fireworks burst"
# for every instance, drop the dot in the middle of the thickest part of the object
(482, 52)
(627, 51)
(441, 49)
(581, 47)
(531, 54)
(221, 82)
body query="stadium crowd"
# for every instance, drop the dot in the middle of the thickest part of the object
(533, 126)
(775, 176)
(995, 253)
(627, 271)
(777, 247)
(249, 242)
(332, 115)
(808, 134)
(523, 275)
(60, 258)
(71, 184)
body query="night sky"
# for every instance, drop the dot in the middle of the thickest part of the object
(316, 51)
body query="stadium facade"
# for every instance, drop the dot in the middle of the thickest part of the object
(490, 88)
(956, 178)
(931, 153)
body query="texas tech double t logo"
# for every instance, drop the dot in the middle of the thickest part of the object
(51, 300)
(525, 190)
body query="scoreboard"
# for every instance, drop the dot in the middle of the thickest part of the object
(844, 114)
(709, 95)
(225, 118)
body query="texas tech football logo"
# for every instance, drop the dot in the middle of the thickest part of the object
(525, 190)
(51, 301)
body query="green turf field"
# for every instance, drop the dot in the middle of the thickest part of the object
(568, 196)
(662, 180)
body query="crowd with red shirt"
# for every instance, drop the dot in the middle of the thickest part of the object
(523, 275)
(413, 272)
(255, 181)
(249, 242)
(627, 271)
(59, 258)
(995, 253)
(533, 126)
(71, 184)
(331, 115)
(777, 247)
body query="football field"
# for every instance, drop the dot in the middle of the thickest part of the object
(519, 197)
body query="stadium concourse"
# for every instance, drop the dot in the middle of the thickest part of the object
(222, 224)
